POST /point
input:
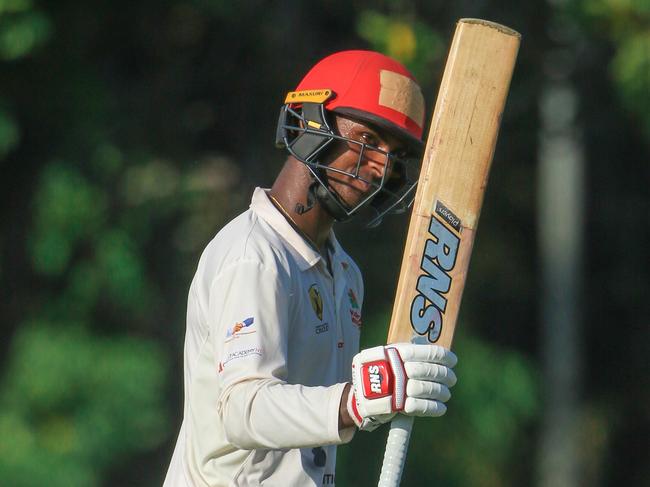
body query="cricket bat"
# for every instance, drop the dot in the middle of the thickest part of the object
(445, 213)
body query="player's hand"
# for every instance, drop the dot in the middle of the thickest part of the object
(400, 378)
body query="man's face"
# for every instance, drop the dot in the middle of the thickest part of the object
(371, 167)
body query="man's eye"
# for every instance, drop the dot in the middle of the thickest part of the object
(369, 139)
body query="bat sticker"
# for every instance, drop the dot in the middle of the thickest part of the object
(448, 216)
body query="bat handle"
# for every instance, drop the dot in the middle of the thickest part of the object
(396, 447)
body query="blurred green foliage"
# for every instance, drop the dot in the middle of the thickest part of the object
(9, 133)
(631, 69)
(68, 210)
(72, 404)
(627, 24)
(22, 28)
(412, 42)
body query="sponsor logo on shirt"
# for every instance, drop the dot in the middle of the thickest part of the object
(355, 315)
(353, 299)
(322, 328)
(240, 328)
(316, 301)
(237, 354)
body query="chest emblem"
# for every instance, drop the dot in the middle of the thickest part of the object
(316, 301)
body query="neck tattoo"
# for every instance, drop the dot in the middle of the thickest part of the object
(293, 223)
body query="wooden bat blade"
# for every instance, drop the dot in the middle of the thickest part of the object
(453, 177)
(447, 205)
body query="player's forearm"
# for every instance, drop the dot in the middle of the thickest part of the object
(345, 420)
(274, 415)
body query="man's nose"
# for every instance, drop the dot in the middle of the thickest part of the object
(377, 164)
(376, 169)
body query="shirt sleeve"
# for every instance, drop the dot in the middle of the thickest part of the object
(250, 325)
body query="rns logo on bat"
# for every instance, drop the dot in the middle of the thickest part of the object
(438, 259)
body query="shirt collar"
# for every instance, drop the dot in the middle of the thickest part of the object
(266, 210)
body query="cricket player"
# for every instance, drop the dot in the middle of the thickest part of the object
(274, 379)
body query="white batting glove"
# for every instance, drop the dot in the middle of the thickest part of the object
(408, 378)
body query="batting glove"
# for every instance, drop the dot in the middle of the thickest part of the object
(412, 379)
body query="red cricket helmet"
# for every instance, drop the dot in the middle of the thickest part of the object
(369, 86)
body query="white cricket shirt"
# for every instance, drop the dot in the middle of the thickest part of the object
(268, 349)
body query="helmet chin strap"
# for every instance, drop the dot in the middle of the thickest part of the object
(317, 192)
(326, 199)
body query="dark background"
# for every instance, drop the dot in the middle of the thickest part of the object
(130, 132)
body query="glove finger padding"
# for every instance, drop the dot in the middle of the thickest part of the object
(423, 407)
(428, 390)
(430, 372)
(435, 354)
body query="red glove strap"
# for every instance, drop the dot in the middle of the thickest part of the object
(353, 411)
